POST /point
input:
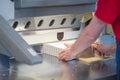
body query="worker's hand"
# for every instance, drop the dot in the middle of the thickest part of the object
(67, 54)
(102, 49)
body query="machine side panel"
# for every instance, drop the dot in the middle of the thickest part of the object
(15, 45)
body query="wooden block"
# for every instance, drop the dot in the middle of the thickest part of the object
(94, 59)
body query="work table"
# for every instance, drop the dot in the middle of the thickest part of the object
(53, 69)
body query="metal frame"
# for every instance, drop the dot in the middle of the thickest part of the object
(46, 22)
(47, 28)
(49, 3)
(15, 46)
(32, 8)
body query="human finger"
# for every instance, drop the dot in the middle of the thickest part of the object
(94, 46)
(67, 45)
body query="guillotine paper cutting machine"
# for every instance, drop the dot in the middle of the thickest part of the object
(38, 33)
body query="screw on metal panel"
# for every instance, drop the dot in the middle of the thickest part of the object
(60, 35)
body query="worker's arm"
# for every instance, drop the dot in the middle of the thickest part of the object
(85, 39)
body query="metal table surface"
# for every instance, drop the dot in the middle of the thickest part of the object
(53, 69)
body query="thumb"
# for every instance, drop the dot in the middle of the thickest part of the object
(94, 46)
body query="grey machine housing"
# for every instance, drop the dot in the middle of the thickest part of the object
(12, 44)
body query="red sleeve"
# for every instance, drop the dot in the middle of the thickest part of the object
(107, 10)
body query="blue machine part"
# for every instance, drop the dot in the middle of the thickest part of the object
(4, 63)
(107, 39)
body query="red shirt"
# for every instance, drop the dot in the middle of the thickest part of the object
(109, 12)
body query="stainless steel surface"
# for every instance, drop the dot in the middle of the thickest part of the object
(48, 3)
(32, 8)
(43, 11)
(47, 22)
(42, 29)
(7, 9)
(54, 69)
(15, 46)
